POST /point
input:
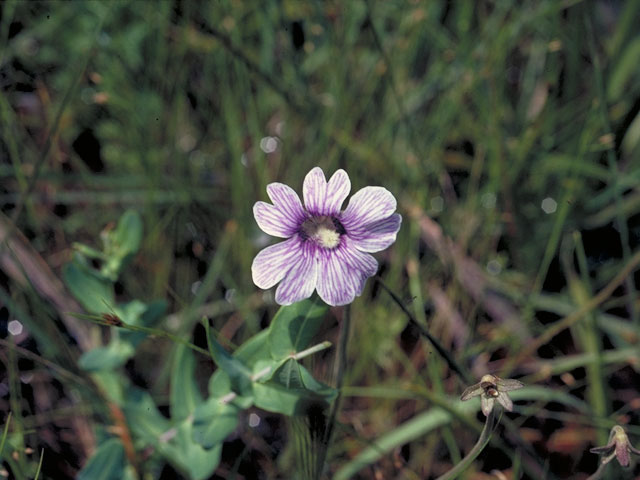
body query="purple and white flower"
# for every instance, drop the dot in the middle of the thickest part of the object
(326, 249)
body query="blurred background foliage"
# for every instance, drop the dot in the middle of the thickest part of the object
(509, 132)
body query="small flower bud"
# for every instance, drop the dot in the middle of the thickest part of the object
(618, 446)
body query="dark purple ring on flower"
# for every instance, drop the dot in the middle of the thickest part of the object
(327, 249)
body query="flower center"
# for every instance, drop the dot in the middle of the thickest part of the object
(324, 230)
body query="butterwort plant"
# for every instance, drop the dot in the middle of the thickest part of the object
(326, 248)
(490, 389)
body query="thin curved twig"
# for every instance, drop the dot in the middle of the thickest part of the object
(453, 364)
(489, 426)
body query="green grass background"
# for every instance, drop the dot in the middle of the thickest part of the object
(476, 115)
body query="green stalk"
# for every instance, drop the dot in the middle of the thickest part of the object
(15, 401)
(340, 368)
(581, 291)
(453, 364)
(597, 475)
(5, 432)
(313, 431)
(489, 425)
(138, 328)
(311, 350)
(39, 465)
(585, 331)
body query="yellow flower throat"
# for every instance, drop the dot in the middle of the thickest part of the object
(322, 230)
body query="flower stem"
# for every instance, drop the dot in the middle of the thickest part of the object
(5, 432)
(342, 352)
(345, 328)
(597, 475)
(139, 328)
(311, 350)
(489, 425)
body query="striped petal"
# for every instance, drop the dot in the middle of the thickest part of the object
(275, 221)
(274, 262)
(360, 266)
(343, 273)
(338, 188)
(371, 204)
(314, 190)
(300, 281)
(287, 201)
(322, 198)
(376, 236)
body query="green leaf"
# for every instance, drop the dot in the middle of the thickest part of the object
(213, 421)
(288, 375)
(173, 440)
(5, 431)
(88, 251)
(624, 71)
(262, 366)
(111, 384)
(318, 388)
(275, 398)
(254, 350)
(143, 417)
(220, 385)
(107, 463)
(295, 377)
(196, 461)
(185, 396)
(123, 343)
(128, 234)
(291, 390)
(138, 314)
(131, 312)
(239, 374)
(294, 326)
(92, 291)
(112, 356)
(154, 311)
(122, 243)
